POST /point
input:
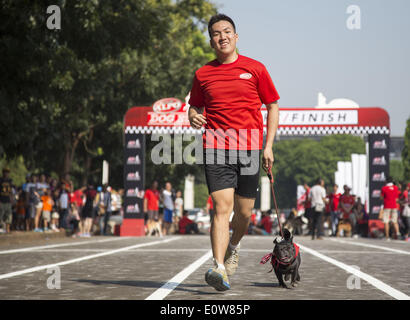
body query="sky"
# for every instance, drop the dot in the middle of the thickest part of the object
(308, 48)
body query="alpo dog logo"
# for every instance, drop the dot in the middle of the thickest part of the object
(167, 105)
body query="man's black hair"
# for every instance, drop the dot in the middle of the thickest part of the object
(219, 17)
(389, 179)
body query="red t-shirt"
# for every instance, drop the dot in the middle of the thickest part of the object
(253, 218)
(210, 202)
(404, 196)
(183, 223)
(390, 194)
(232, 95)
(267, 224)
(78, 194)
(308, 204)
(346, 201)
(334, 199)
(153, 199)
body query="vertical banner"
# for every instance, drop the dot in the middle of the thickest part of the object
(189, 192)
(362, 185)
(359, 175)
(265, 194)
(355, 173)
(134, 167)
(379, 146)
(105, 172)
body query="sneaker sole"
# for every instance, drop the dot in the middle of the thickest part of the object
(214, 279)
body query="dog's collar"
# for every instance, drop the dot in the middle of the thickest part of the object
(275, 261)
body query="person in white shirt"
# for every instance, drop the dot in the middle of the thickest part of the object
(179, 205)
(318, 199)
(168, 208)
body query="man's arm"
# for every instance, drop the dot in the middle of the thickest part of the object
(145, 204)
(324, 198)
(196, 118)
(272, 127)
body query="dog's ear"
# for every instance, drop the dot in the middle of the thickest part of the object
(287, 235)
(275, 241)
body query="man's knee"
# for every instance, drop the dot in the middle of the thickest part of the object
(223, 208)
(243, 206)
(223, 202)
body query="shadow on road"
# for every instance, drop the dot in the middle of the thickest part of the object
(264, 285)
(149, 284)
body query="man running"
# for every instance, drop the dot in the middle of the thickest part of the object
(390, 195)
(226, 96)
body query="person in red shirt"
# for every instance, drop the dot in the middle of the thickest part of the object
(334, 198)
(308, 208)
(405, 211)
(390, 195)
(210, 207)
(264, 227)
(186, 225)
(266, 224)
(346, 204)
(226, 96)
(78, 198)
(151, 203)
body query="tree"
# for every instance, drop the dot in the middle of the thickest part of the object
(304, 160)
(396, 170)
(406, 153)
(64, 92)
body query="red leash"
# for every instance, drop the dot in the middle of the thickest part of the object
(270, 176)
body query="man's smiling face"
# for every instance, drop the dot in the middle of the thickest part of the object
(223, 38)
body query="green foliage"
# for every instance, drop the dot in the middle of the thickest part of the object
(406, 153)
(396, 170)
(64, 93)
(18, 170)
(201, 195)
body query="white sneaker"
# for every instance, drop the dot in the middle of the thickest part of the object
(231, 260)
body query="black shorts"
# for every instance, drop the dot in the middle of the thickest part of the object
(87, 212)
(233, 169)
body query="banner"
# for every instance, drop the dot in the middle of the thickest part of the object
(379, 146)
(134, 167)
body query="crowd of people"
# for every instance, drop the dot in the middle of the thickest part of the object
(164, 212)
(336, 214)
(45, 204)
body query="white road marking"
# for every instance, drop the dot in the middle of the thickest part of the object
(132, 250)
(371, 280)
(62, 263)
(202, 250)
(371, 246)
(59, 245)
(167, 288)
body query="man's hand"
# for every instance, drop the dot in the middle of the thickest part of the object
(267, 159)
(196, 119)
(380, 214)
(272, 126)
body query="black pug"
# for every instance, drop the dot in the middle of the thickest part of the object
(285, 260)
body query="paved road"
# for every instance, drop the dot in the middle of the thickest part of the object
(173, 268)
